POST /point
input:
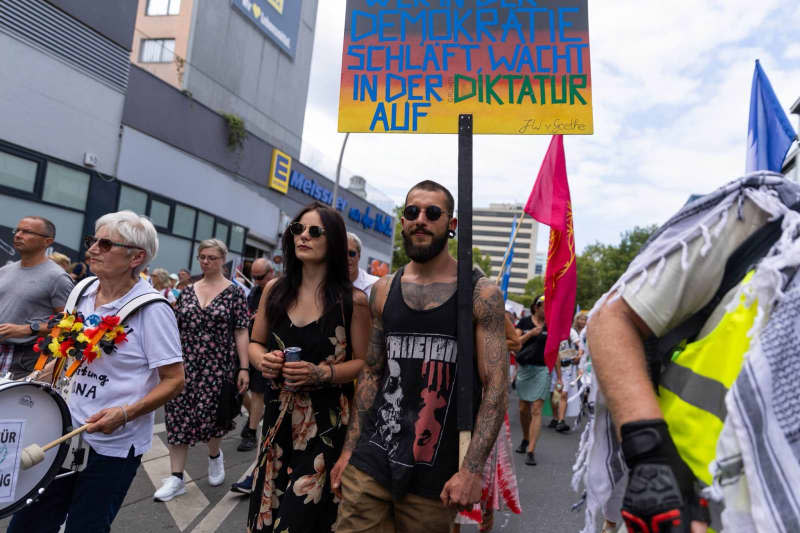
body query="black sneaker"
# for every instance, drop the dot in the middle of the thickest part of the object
(562, 427)
(248, 442)
(530, 459)
(246, 430)
(523, 446)
(553, 423)
(245, 486)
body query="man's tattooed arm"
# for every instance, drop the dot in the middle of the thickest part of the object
(492, 354)
(370, 376)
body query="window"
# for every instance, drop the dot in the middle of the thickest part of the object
(173, 252)
(17, 173)
(205, 226)
(159, 213)
(157, 51)
(183, 223)
(132, 199)
(237, 239)
(163, 7)
(69, 224)
(66, 186)
(222, 232)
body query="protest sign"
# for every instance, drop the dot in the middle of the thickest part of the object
(10, 450)
(519, 66)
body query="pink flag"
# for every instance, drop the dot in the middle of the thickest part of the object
(550, 204)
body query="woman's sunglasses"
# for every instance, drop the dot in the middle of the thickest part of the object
(106, 244)
(432, 212)
(314, 231)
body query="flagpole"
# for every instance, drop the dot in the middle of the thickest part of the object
(508, 250)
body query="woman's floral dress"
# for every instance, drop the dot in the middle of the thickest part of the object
(303, 435)
(209, 358)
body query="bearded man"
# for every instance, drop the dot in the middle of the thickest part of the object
(400, 457)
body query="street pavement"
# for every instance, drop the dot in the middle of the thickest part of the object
(544, 489)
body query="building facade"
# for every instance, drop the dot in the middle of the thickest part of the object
(86, 133)
(791, 165)
(491, 232)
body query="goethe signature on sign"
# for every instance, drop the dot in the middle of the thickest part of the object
(406, 63)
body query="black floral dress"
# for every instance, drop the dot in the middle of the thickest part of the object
(303, 435)
(209, 358)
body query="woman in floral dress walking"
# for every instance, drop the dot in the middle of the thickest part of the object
(313, 307)
(213, 319)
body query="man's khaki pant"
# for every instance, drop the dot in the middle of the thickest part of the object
(368, 507)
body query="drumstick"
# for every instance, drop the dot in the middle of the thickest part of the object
(34, 454)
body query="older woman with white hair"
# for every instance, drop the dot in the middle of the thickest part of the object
(117, 393)
(213, 319)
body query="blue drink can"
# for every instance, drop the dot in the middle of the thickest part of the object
(292, 354)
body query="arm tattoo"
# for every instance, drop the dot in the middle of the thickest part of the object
(492, 354)
(370, 376)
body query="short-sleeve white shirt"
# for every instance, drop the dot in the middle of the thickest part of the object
(127, 374)
(365, 281)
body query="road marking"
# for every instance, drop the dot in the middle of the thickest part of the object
(185, 508)
(213, 520)
(159, 428)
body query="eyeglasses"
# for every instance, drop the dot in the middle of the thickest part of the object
(262, 276)
(106, 244)
(208, 257)
(314, 231)
(432, 212)
(352, 253)
(29, 232)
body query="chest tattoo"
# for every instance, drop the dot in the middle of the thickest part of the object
(423, 297)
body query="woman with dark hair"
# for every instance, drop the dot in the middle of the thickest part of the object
(312, 307)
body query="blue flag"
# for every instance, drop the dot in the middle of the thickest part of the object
(769, 134)
(507, 265)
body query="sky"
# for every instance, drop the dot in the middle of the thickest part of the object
(671, 90)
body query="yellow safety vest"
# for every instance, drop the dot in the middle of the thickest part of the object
(693, 386)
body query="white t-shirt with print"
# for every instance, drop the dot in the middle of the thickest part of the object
(128, 373)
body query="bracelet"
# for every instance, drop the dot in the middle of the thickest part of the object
(333, 371)
(244, 370)
(125, 414)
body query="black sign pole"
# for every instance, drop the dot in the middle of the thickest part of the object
(466, 340)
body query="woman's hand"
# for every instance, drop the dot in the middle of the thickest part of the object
(243, 380)
(336, 472)
(271, 364)
(106, 420)
(303, 373)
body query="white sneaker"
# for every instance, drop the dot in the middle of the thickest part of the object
(216, 471)
(172, 486)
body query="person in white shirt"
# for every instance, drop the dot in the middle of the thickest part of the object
(116, 393)
(358, 276)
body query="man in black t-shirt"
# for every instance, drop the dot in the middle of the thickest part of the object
(399, 464)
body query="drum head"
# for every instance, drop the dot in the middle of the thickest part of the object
(46, 417)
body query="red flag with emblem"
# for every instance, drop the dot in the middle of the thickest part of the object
(550, 204)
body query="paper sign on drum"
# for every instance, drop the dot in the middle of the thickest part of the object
(518, 66)
(10, 451)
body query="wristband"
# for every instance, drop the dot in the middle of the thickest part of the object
(333, 371)
(125, 414)
(244, 370)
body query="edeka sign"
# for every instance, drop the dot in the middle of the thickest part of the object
(282, 166)
(279, 19)
(279, 170)
(519, 66)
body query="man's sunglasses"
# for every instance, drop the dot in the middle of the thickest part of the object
(352, 253)
(432, 212)
(262, 276)
(314, 231)
(106, 244)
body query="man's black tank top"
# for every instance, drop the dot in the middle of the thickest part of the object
(409, 442)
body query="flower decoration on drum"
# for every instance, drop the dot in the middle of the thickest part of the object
(83, 339)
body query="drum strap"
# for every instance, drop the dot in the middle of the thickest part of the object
(128, 309)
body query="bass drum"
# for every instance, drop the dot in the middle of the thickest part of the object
(46, 418)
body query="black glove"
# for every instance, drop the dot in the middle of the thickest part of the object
(661, 495)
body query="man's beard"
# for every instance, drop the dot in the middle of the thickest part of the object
(423, 254)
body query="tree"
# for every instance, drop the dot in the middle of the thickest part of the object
(601, 265)
(533, 288)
